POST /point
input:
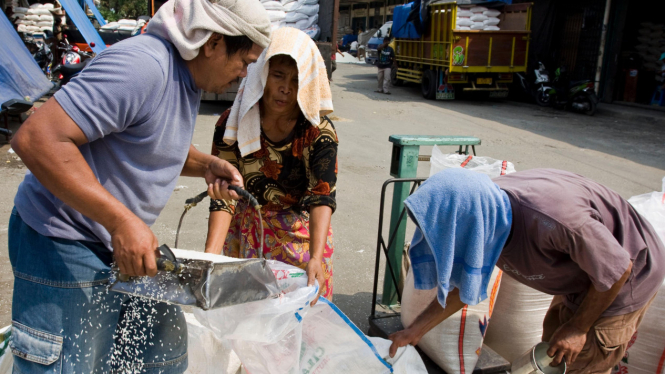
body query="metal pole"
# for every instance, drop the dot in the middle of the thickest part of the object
(601, 50)
(367, 18)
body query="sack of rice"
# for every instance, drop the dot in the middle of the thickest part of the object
(273, 5)
(492, 13)
(491, 28)
(455, 343)
(292, 17)
(310, 10)
(645, 31)
(492, 21)
(479, 9)
(18, 9)
(464, 22)
(36, 6)
(45, 17)
(111, 26)
(292, 7)
(44, 24)
(276, 15)
(284, 2)
(464, 13)
(517, 321)
(127, 22)
(463, 28)
(477, 26)
(479, 18)
(22, 28)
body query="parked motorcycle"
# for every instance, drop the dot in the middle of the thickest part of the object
(73, 61)
(540, 85)
(42, 54)
(578, 96)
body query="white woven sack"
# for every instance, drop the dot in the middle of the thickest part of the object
(479, 9)
(464, 22)
(127, 22)
(36, 6)
(492, 13)
(126, 28)
(292, 17)
(273, 5)
(292, 6)
(491, 28)
(18, 9)
(31, 17)
(45, 17)
(39, 11)
(463, 28)
(492, 21)
(477, 26)
(464, 13)
(44, 24)
(645, 31)
(309, 2)
(468, 326)
(310, 10)
(517, 321)
(478, 18)
(22, 28)
(284, 2)
(276, 15)
(111, 26)
(48, 6)
(646, 350)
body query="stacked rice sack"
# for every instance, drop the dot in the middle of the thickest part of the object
(300, 14)
(477, 18)
(34, 20)
(651, 44)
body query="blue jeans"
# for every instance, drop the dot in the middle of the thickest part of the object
(65, 320)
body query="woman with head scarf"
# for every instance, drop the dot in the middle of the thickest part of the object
(278, 137)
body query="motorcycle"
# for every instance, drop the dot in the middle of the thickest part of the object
(42, 54)
(578, 96)
(73, 61)
(539, 87)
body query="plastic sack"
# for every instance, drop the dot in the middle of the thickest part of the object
(478, 18)
(486, 165)
(273, 5)
(464, 13)
(6, 357)
(517, 321)
(491, 21)
(292, 7)
(276, 15)
(464, 22)
(477, 26)
(646, 349)
(478, 9)
(292, 17)
(491, 28)
(207, 354)
(286, 335)
(492, 13)
(455, 343)
(310, 10)
(652, 207)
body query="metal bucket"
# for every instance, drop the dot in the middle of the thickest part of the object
(536, 361)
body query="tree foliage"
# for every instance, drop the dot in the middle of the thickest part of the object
(113, 10)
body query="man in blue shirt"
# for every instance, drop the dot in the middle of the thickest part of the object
(104, 156)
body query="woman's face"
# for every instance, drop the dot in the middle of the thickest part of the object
(280, 96)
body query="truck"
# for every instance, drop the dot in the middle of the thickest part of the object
(446, 59)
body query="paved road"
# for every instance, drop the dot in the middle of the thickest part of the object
(625, 154)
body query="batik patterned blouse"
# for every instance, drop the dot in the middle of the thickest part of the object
(296, 173)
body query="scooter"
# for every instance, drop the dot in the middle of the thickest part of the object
(539, 87)
(42, 54)
(578, 96)
(73, 62)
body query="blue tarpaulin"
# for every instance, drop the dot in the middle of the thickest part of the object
(401, 28)
(20, 76)
(80, 19)
(95, 11)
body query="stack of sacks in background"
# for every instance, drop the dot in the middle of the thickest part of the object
(126, 25)
(34, 20)
(477, 18)
(299, 14)
(651, 44)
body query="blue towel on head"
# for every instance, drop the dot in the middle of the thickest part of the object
(463, 221)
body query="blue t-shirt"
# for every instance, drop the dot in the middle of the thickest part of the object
(136, 102)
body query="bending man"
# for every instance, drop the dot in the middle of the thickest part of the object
(557, 232)
(104, 156)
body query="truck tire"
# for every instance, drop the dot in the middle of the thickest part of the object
(393, 78)
(428, 84)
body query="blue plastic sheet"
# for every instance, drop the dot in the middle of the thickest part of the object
(80, 19)
(20, 76)
(402, 28)
(95, 11)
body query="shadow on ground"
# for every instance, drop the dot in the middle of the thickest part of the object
(603, 132)
(357, 307)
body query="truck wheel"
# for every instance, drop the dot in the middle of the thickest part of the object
(393, 78)
(428, 84)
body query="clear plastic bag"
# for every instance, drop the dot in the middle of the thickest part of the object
(486, 165)
(652, 207)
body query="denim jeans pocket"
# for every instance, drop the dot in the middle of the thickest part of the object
(35, 350)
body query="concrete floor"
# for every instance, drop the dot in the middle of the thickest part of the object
(623, 152)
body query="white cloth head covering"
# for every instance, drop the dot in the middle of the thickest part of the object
(188, 24)
(314, 96)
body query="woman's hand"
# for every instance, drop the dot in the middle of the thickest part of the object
(314, 271)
